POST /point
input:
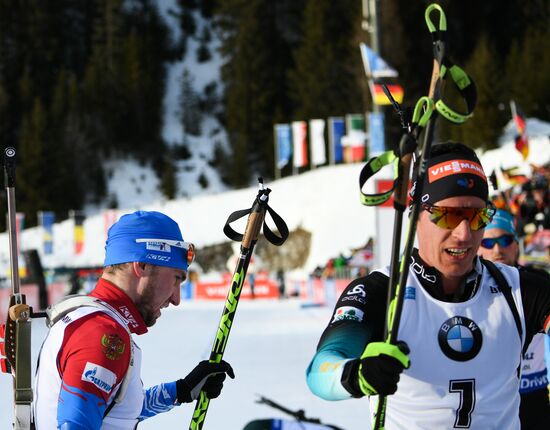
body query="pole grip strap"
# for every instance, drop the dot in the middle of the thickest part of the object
(466, 88)
(270, 236)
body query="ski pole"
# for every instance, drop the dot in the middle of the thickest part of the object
(399, 269)
(298, 415)
(256, 218)
(18, 322)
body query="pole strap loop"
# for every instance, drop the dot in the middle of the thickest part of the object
(271, 237)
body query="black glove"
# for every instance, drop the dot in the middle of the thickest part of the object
(205, 376)
(378, 369)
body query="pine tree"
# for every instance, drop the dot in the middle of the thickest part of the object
(31, 172)
(256, 43)
(190, 107)
(483, 129)
(324, 82)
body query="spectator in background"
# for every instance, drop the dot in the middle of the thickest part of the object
(500, 245)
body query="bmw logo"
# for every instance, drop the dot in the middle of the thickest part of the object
(460, 338)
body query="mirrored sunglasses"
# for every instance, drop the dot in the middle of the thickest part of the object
(189, 247)
(503, 241)
(450, 217)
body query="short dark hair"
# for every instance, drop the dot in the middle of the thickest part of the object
(451, 147)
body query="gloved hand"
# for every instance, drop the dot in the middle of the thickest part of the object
(378, 369)
(205, 376)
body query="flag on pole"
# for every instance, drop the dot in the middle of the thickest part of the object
(380, 98)
(336, 130)
(377, 70)
(78, 232)
(521, 140)
(47, 220)
(355, 140)
(374, 64)
(376, 133)
(317, 141)
(283, 134)
(299, 140)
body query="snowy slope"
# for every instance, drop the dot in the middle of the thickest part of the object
(130, 183)
(324, 201)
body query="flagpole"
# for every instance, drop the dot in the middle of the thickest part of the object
(276, 158)
(370, 24)
(330, 141)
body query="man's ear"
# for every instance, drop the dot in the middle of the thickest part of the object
(139, 268)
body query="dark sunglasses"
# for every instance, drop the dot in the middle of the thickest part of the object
(503, 241)
(451, 217)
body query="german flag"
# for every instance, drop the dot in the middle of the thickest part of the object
(380, 98)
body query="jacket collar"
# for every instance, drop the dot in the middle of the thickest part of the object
(430, 278)
(118, 299)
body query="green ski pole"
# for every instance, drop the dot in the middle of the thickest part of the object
(256, 218)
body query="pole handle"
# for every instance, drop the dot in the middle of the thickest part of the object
(9, 167)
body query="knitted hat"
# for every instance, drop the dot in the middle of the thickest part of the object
(147, 237)
(503, 220)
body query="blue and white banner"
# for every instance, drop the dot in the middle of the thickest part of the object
(47, 220)
(376, 133)
(336, 129)
(283, 136)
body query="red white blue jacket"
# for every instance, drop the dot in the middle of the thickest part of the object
(83, 363)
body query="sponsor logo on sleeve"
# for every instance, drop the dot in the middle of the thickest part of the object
(358, 290)
(98, 375)
(348, 313)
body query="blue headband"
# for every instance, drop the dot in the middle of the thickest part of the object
(146, 237)
(503, 220)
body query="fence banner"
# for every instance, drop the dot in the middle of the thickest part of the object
(78, 235)
(283, 136)
(299, 140)
(46, 219)
(336, 130)
(376, 133)
(317, 142)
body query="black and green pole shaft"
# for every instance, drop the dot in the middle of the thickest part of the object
(399, 268)
(18, 324)
(249, 239)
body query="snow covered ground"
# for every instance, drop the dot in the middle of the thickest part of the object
(269, 348)
(271, 342)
